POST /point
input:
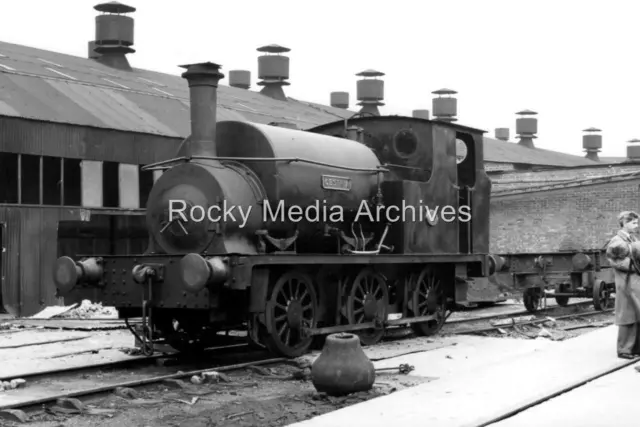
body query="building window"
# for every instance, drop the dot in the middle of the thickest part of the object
(72, 182)
(129, 186)
(51, 180)
(8, 178)
(146, 180)
(30, 179)
(92, 184)
(110, 184)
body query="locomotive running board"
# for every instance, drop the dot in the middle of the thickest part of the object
(368, 325)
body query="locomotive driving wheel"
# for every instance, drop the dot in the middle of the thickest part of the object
(427, 298)
(292, 306)
(368, 301)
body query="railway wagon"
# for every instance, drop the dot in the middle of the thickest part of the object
(560, 275)
(357, 226)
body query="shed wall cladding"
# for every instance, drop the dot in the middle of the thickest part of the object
(36, 236)
(50, 176)
(564, 219)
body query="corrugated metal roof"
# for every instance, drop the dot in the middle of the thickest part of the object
(56, 87)
(51, 86)
(510, 152)
(509, 181)
(549, 186)
(612, 159)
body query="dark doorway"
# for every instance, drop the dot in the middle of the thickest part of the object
(103, 235)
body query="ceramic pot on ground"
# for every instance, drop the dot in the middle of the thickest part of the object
(342, 367)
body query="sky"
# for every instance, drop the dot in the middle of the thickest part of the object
(574, 62)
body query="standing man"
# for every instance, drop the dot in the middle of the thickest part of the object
(627, 278)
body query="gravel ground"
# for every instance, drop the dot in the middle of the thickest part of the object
(275, 396)
(260, 397)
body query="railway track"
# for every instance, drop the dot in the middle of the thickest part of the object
(51, 385)
(123, 363)
(474, 326)
(549, 310)
(48, 386)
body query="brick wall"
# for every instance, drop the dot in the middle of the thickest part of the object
(573, 218)
(525, 179)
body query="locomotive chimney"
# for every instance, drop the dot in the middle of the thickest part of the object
(370, 92)
(340, 100)
(445, 109)
(502, 134)
(592, 143)
(114, 35)
(274, 71)
(633, 151)
(203, 81)
(421, 114)
(240, 79)
(526, 128)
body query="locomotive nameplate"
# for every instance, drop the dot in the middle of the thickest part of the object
(338, 183)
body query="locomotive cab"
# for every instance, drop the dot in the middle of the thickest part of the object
(436, 169)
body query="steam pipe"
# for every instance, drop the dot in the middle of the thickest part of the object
(203, 81)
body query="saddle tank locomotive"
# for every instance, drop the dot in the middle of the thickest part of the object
(314, 241)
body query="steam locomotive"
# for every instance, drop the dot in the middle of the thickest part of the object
(359, 225)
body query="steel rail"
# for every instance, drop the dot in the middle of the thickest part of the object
(529, 322)
(518, 313)
(548, 396)
(140, 382)
(116, 363)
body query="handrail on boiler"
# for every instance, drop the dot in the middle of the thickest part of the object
(159, 165)
(165, 163)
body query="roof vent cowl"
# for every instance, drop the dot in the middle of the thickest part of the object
(240, 79)
(420, 114)
(633, 150)
(340, 100)
(114, 34)
(502, 134)
(445, 108)
(592, 143)
(370, 92)
(273, 69)
(526, 128)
